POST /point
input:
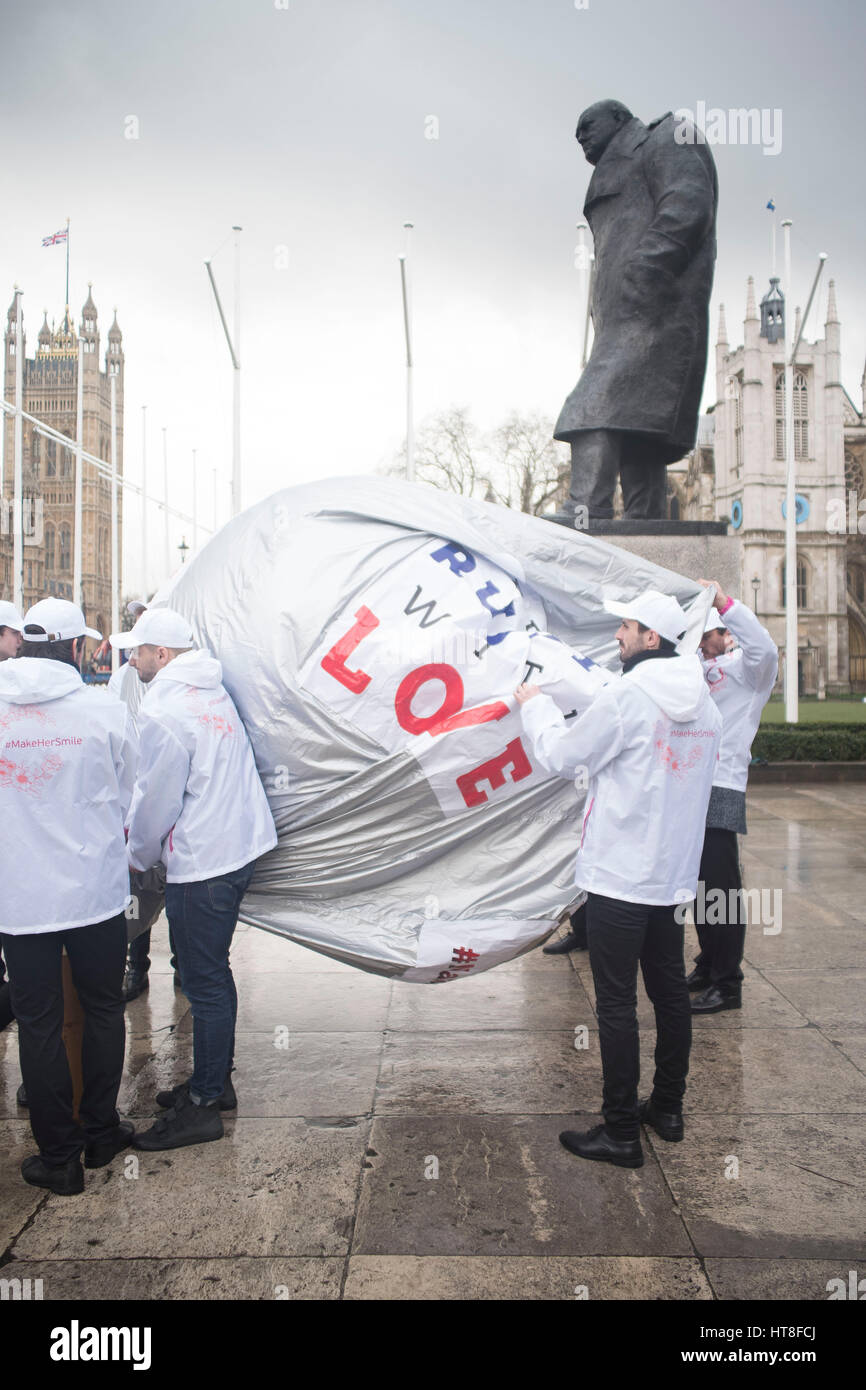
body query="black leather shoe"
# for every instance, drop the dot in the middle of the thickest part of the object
(186, 1123)
(66, 1181)
(712, 1001)
(135, 982)
(667, 1124)
(97, 1155)
(565, 944)
(227, 1101)
(599, 1145)
(698, 979)
(21, 1097)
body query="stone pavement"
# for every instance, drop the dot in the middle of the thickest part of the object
(400, 1141)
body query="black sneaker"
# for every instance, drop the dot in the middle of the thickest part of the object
(227, 1101)
(97, 1155)
(66, 1181)
(135, 982)
(186, 1123)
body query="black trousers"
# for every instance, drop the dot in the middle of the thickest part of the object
(6, 1014)
(621, 936)
(577, 922)
(97, 955)
(139, 952)
(598, 457)
(722, 942)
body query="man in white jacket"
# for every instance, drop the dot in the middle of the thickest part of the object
(67, 766)
(11, 628)
(648, 746)
(199, 808)
(740, 682)
(148, 889)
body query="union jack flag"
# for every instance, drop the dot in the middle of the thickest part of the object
(55, 238)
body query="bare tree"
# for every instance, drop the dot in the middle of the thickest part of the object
(530, 471)
(518, 464)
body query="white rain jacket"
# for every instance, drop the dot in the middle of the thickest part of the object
(67, 770)
(128, 686)
(648, 746)
(199, 806)
(741, 682)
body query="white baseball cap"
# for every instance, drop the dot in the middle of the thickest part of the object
(59, 620)
(715, 621)
(655, 610)
(157, 627)
(10, 617)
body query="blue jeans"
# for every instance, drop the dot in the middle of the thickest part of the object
(202, 917)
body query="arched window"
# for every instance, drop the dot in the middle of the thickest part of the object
(802, 585)
(64, 562)
(801, 416)
(49, 547)
(50, 458)
(735, 396)
(854, 481)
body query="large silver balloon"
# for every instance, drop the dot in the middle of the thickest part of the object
(371, 634)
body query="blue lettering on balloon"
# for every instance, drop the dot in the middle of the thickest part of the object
(485, 593)
(459, 561)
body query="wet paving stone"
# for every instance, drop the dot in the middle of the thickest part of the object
(504, 1185)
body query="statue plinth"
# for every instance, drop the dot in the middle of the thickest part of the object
(644, 526)
(696, 549)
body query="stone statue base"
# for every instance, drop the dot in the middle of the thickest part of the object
(646, 526)
(697, 549)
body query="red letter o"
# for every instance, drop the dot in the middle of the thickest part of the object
(411, 684)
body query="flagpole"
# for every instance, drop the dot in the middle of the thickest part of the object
(67, 267)
(194, 503)
(144, 589)
(236, 384)
(791, 653)
(77, 590)
(166, 555)
(18, 446)
(410, 423)
(115, 556)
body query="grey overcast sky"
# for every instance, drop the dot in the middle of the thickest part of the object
(309, 126)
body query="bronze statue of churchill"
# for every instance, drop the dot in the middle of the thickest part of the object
(651, 205)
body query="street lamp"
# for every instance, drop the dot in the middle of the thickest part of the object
(756, 584)
(183, 548)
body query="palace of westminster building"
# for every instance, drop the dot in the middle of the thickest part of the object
(50, 381)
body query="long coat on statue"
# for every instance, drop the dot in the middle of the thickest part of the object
(651, 205)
